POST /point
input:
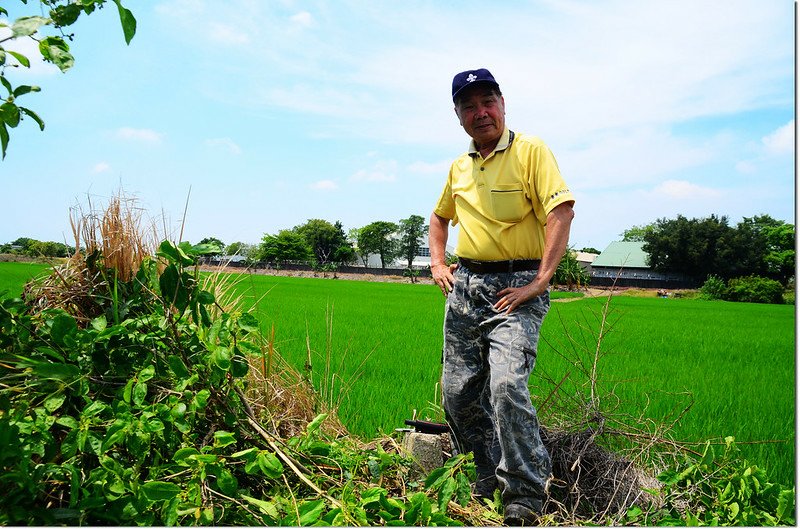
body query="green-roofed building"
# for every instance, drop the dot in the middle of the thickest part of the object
(625, 264)
(623, 254)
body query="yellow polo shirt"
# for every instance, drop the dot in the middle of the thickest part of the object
(502, 201)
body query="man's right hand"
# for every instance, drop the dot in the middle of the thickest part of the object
(443, 276)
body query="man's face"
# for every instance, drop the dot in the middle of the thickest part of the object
(482, 113)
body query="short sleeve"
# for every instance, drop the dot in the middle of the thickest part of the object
(547, 182)
(446, 206)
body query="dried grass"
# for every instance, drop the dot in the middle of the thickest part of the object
(113, 237)
(281, 397)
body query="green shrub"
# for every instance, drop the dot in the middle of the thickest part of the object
(714, 288)
(720, 490)
(754, 289)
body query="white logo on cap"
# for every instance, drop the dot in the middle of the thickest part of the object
(471, 77)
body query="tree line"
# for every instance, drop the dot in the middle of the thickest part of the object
(326, 244)
(710, 246)
(35, 248)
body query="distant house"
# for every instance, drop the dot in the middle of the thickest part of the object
(586, 259)
(625, 264)
(421, 261)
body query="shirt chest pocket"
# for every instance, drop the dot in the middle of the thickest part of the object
(508, 202)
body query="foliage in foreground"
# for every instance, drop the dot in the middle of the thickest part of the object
(719, 489)
(136, 412)
(54, 49)
(138, 415)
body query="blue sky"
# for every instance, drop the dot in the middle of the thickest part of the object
(274, 112)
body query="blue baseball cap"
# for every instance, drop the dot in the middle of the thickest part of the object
(465, 79)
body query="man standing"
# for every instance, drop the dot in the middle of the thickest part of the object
(515, 212)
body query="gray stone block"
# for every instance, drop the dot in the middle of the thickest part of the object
(425, 449)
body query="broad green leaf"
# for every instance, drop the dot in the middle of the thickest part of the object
(249, 348)
(23, 60)
(153, 424)
(54, 402)
(205, 297)
(246, 452)
(170, 513)
(139, 393)
(733, 510)
(239, 366)
(177, 366)
(65, 15)
(68, 422)
(95, 408)
(203, 249)
(99, 323)
(269, 465)
(3, 138)
(63, 325)
(147, 373)
(5, 83)
(372, 495)
(248, 322)
(310, 511)
(55, 355)
(26, 26)
(115, 434)
(173, 253)
(56, 371)
(184, 453)
(55, 50)
(266, 507)
(463, 492)
(128, 390)
(315, 424)
(668, 477)
(436, 478)
(160, 490)
(222, 438)
(785, 504)
(222, 358)
(392, 506)
(128, 22)
(227, 482)
(179, 410)
(25, 89)
(446, 493)
(201, 399)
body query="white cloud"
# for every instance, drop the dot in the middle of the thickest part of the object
(101, 167)
(303, 19)
(144, 135)
(684, 190)
(746, 167)
(781, 140)
(227, 34)
(384, 171)
(630, 156)
(438, 169)
(324, 185)
(224, 143)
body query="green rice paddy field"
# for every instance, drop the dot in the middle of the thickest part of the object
(383, 341)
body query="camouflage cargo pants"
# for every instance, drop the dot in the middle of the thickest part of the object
(488, 358)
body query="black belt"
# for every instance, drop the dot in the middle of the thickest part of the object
(499, 267)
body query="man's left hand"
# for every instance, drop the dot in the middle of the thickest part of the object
(511, 298)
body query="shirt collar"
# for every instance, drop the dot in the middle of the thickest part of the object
(502, 144)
